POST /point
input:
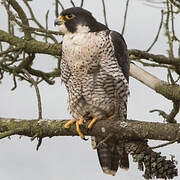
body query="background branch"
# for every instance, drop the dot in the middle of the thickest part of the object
(37, 93)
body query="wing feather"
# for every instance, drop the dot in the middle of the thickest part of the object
(121, 52)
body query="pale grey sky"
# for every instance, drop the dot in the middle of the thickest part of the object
(69, 157)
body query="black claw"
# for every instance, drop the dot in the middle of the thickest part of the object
(85, 139)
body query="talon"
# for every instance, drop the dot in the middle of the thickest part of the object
(69, 123)
(78, 129)
(79, 122)
(92, 122)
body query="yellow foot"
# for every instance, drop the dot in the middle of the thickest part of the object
(78, 123)
(69, 123)
(92, 122)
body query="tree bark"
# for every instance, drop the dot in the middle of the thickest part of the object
(129, 129)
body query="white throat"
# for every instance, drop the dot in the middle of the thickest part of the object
(79, 36)
(82, 29)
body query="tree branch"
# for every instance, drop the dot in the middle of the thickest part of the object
(157, 36)
(170, 91)
(125, 17)
(130, 129)
(22, 16)
(31, 46)
(176, 4)
(37, 93)
(55, 49)
(132, 134)
(161, 59)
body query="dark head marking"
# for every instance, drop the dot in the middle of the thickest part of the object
(78, 16)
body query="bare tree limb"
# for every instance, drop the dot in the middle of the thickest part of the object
(37, 93)
(104, 13)
(72, 3)
(130, 129)
(31, 46)
(157, 36)
(125, 17)
(161, 59)
(132, 133)
(175, 3)
(170, 91)
(22, 16)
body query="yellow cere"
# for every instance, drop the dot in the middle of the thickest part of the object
(61, 18)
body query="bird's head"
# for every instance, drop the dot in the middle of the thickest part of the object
(77, 19)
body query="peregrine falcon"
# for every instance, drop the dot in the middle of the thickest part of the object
(95, 71)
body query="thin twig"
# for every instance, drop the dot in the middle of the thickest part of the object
(10, 49)
(170, 51)
(31, 29)
(164, 144)
(15, 83)
(39, 143)
(1, 47)
(169, 76)
(21, 15)
(37, 93)
(172, 21)
(9, 22)
(125, 17)
(175, 3)
(72, 3)
(34, 137)
(174, 112)
(32, 15)
(104, 12)
(45, 36)
(62, 7)
(159, 30)
(153, 64)
(10, 133)
(46, 24)
(168, 117)
(56, 8)
(82, 3)
(161, 113)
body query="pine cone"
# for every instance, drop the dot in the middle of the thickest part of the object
(155, 165)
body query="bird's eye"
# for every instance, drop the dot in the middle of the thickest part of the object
(70, 16)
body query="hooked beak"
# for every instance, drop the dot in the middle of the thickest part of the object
(59, 21)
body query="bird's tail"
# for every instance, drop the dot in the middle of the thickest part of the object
(110, 156)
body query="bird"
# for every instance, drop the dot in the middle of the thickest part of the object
(95, 70)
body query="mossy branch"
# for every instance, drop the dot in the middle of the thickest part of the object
(31, 46)
(22, 16)
(34, 46)
(130, 129)
(132, 133)
(171, 92)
